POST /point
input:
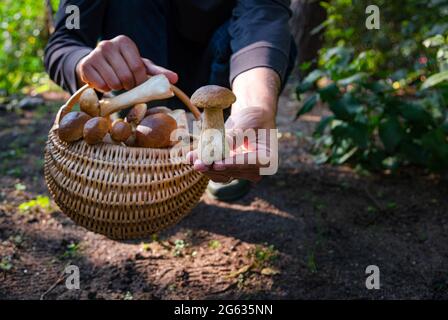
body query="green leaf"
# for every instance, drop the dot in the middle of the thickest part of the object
(435, 79)
(391, 133)
(414, 112)
(346, 107)
(323, 123)
(355, 132)
(308, 83)
(356, 78)
(308, 105)
(329, 93)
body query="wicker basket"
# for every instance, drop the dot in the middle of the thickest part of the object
(118, 191)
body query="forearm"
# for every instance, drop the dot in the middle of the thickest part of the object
(257, 89)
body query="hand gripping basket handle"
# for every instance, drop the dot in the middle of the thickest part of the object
(155, 88)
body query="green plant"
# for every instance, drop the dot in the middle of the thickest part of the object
(23, 37)
(179, 246)
(6, 263)
(386, 89)
(71, 251)
(214, 244)
(41, 202)
(263, 256)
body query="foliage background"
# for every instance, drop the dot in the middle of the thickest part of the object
(23, 35)
(387, 88)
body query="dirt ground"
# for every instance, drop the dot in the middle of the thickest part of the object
(308, 232)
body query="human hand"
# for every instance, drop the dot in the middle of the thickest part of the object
(248, 154)
(116, 64)
(256, 92)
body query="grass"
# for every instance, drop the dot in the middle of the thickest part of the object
(214, 244)
(72, 251)
(39, 203)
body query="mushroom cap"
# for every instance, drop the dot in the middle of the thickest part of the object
(137, 113)
(158, 109)
(89, 103)
(155, 131)
(95, 129)
(213, 97)
(72, 125)
(120, 131)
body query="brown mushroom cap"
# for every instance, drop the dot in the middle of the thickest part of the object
(72, 125)
(95, 129)
(89, 103)
(155, 131)
(120, 131)
(155, 110)
(213, 97)
(137, 113)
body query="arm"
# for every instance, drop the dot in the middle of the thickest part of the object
(260, 40)
(67, 47)
(74, 57)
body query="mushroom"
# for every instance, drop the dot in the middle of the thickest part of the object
(155, 131)
(137, 113)
(213, 145)
(155, 110)
(120, 131)
(72, 125)
(95, 129)
(88, 102)
(155, 88)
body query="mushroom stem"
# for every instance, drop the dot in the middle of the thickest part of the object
(155, 88)
(213, 145)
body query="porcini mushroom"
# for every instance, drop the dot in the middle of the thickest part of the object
(160, 109)
(120, 131)
(95, 129)
(137, 113)
(155, 131)
(72, 125)
(155, 88)
(212, 144)
(89, 103)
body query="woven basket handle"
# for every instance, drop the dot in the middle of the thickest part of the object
(68, 106)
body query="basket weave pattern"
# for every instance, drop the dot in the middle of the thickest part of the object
(121, 192)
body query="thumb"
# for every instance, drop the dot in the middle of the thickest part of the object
(153, 69)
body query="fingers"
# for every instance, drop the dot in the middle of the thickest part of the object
(116, 64)
(111, 54)
(221, 171)
(90, 76)
(131, 54)
(107, 74)
(153, 69)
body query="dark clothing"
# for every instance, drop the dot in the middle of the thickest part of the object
(205, 42)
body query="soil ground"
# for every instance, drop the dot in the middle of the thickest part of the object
(308, 232)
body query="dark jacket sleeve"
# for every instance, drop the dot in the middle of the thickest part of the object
(67, 47)
(260, 36)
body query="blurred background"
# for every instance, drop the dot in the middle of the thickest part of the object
(363, 126)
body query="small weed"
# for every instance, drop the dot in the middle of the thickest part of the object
(214, 244)
(179, 246)
(391, 205)
(128, 296)
(172, 287)
(6, 263)
(263, 256)
(20, 187)
(41, 202)
(146, 246)
(371, 209)
(311, 262)
(72, 251)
